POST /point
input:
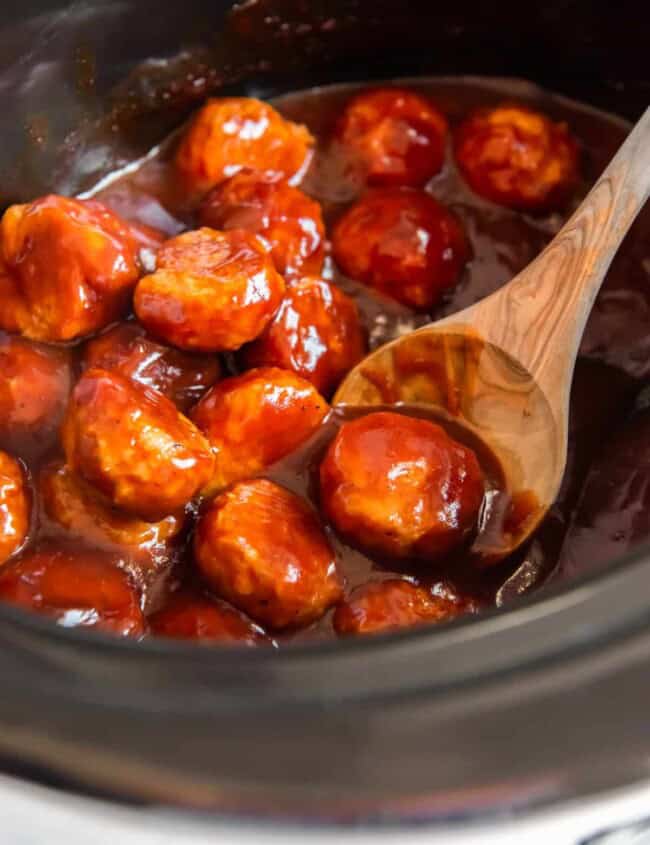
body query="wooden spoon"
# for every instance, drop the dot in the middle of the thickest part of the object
(502, 369)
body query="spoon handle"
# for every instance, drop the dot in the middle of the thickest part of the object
(541, 315)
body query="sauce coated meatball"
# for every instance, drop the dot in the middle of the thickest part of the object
(289, 220)
(235, 132)
(128, 349)
(75, 506)
(134, 446)
(15, 507)
(212, 291)
(67, 267)
(193, 616)
(403, 243)
(34, 390)
(401, 487)
(398, 135)
(262, 548)
(517, 157)
(255, 419)
(84, 589)
(391, 605)
(316, 333)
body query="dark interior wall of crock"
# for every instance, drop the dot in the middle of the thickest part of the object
(81, 90)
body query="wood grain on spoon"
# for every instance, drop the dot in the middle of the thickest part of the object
(503, 367)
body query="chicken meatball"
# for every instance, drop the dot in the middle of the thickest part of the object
(391, 605)
(76, 588)
(262, 548)
(129, 350)
(400, 487)
(518, 158)
(403, 243)
(255, 419)
(15, 507)
(34, 391)
(398, 136)
(134, 446)
(289, 220)
(75, 506)
(231, 133)
(191, 615)
(67, 267)
(212, 291)
(316, 333)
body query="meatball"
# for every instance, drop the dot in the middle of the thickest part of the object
(34, 390)
(403, 243)
(134, 446)
(255, 419)
(74, 505)
(212, 291)
(289, 220)
(261, 547)
(398, 136)
(129, 350)
(231, 133)
(67, 267)
(76, 588)
(193, 616)
(316, 333)
(518, 158)
(400, 486)
(15, 507)
(394, 604)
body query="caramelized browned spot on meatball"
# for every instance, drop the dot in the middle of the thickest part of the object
(403, 243)
(212, 291)
(401, 487)
(398, 135)
(255, 419)
(15, 506)
(190, 615)
(234, 132)
(262, 548)
(34, 388)
(67, 267)
(75, 588)
(128, 349)
(289, 220)
(316, 333)
(517, 157)
(391, 605)
(134, 446)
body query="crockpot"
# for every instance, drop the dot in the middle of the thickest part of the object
(546, 702)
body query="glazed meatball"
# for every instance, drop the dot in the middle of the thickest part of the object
(67, 267)
(289, 220)
(261, 547)
(15, 507)
(400, 486)
(75, 506)
(34, 390)
(129, 350)
(194, 616)
(398, 136)
(517, 157)
(231, 133)
(212, 291)
(391, 605)
(316, 333)
(76, 588)
(255, 419)
(134, 446)
(403, 243)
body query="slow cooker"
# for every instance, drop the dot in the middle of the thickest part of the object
(514, 711)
